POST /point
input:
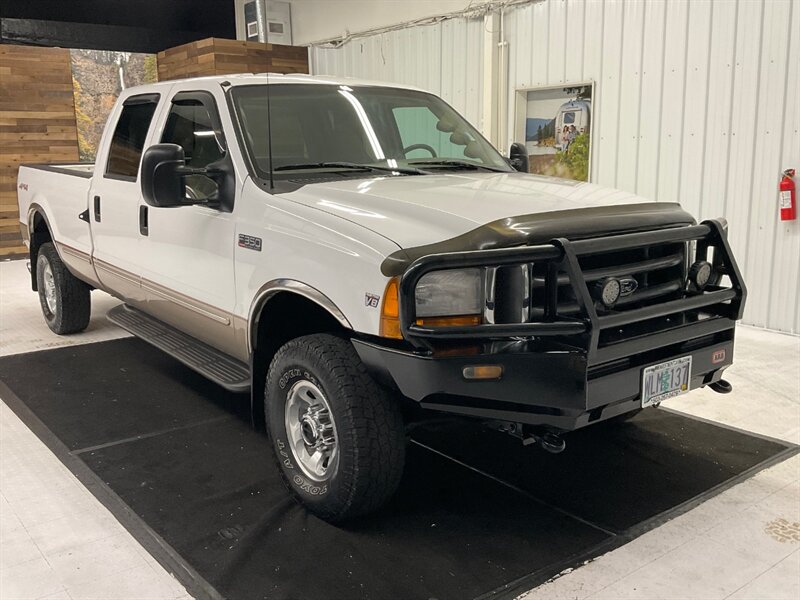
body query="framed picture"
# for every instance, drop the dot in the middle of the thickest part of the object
(556, 123)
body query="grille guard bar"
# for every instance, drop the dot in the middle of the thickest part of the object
(563, 254)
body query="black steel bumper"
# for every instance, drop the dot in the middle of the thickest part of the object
(561, 372)
(555, 388)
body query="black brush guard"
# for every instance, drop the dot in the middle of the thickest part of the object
(559, 373)
(563, 254)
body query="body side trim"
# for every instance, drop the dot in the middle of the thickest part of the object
(117, 272)
(188, 303)
(74, 252)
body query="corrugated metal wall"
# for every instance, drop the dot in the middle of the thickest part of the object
(695, 101)
(445, 58)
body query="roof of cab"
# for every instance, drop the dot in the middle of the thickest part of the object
(280, 78)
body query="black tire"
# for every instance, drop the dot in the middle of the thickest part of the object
(367, 426)
(70, 305)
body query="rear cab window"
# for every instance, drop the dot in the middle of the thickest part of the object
(130, 133)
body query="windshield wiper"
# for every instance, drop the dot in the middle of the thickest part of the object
(351, 165)
(460, 164)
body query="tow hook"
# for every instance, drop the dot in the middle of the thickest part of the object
(721, 387)
(546, 440)
(552, 443)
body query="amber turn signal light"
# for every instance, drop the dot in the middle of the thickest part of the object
(450, 321)
(390, 311)
(483, 372)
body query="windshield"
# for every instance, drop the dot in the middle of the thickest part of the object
(315, 124)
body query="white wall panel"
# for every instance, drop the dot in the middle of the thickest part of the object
(784, 291)
(651, 103)
(576, 35)
(695, 102)
(630, 95)
(444, 58)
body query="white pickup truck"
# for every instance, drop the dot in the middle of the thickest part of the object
(357, 255)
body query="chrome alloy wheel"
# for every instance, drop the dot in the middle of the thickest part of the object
(49, 287)
(311, 430)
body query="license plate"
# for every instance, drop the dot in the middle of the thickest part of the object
(666, 380)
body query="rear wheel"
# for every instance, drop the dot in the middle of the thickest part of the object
(65, 299)
(338, 437)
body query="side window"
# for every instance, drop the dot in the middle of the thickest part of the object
(127, 144)
(189, 125)
(421, 129)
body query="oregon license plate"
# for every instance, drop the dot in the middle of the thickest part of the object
(666, 380)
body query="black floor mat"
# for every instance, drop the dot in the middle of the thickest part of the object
(476, 512)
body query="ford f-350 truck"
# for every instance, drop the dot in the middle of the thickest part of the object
(357, 255)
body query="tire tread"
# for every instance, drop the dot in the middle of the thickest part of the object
(369, 422)
(74, 304)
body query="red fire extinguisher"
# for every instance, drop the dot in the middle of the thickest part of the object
(788, 196)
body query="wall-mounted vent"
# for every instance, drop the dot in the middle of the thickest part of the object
(264, 20)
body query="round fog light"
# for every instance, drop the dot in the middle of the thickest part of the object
(607, 291)
(700, 273)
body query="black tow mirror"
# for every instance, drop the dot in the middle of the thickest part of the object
(163, 169)
(518, 157)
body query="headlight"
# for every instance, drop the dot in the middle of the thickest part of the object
(451, 292)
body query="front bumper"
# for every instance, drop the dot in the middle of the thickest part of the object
(565, 371)
(553, 388)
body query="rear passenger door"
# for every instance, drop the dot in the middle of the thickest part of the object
(115, 195)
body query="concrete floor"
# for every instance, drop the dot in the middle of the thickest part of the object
(57, 541)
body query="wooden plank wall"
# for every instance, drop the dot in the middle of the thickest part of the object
(37, 110)
(37, 124)
(215, 56)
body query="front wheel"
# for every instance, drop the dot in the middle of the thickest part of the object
(338, 437)
(65, 299)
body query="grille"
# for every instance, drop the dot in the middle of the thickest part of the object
(659, 272)
(521, 293)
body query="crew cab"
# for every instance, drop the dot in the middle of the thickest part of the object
(357, 256)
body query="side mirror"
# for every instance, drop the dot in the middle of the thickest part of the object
(518, 157)
(163, 169)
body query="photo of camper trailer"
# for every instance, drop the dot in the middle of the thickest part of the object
(558, 131)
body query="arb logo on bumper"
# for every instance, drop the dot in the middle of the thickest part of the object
(718, 356)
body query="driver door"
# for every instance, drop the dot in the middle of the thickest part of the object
(188, 275)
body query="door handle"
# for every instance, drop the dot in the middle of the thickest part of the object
(143, 220)
(97, 208)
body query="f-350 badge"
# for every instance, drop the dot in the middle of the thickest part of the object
(250, 242)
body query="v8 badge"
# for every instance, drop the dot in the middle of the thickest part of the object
(371, 300)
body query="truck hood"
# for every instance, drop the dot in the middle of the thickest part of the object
(415, 211)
